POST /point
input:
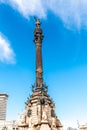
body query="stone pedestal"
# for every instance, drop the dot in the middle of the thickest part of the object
(40, 113)
(45, 126)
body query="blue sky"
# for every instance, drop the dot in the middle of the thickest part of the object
(64, 25)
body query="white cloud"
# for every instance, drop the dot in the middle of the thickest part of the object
(6, 53)
(72, 12)
(28, 8)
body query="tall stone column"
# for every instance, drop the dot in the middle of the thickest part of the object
(40, 109)
(38, 42)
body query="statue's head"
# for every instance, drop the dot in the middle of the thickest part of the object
(37, 21)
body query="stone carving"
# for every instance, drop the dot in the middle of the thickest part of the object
(22, 119)
(30, 122)
(53, 122)
(44, 115)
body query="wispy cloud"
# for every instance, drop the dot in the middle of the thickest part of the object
(6, 53)
(28, 8)
(72, 12)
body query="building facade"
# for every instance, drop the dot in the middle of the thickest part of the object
(3, 106)
(8, 125)
(83, 127)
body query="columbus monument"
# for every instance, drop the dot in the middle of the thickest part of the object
(40, 109)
